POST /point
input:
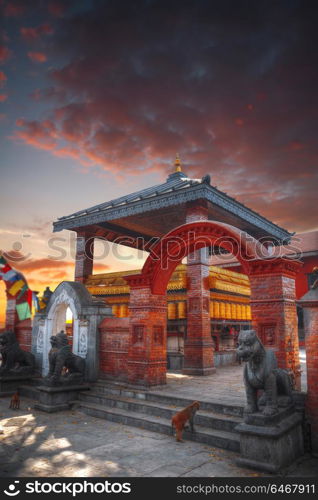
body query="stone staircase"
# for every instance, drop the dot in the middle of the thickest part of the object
(152, 410)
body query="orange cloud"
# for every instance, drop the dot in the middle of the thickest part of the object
(17, 261)
(40, 135)
(239, 122)
(56, 9)
(3, 78)
(3, 97)
(296, 146)
(38, 57)
(4, 53)
(31, 34)
(14, 9)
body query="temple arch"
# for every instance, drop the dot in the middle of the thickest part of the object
(273, 299)
(186, 239)
(87, 314)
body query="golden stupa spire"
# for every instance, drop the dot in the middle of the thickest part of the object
(177, 163)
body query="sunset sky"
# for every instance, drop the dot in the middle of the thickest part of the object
(96, 98)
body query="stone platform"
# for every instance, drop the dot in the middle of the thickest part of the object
(271, 443)
(10, 383)
(53, 399)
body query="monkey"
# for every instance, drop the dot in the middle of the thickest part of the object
(15, 401)
(180, 419)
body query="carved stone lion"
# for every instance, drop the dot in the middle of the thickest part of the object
(261, 372)
(64, 366)
(15, 361)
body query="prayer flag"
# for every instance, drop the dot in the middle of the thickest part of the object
(35, 299)
(23, 311)
(22, 291)
(29, 297)
(9, 276)
(17, 276)
(16, 287)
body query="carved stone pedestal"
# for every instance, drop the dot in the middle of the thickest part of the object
(10, 383)
(271, 443)
(53, 399)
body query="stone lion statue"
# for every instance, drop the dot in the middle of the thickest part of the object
(64, 366)
(15, 361)
(261, 372)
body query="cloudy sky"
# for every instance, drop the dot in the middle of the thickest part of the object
(98, 96)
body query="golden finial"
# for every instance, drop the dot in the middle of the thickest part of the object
(177, 163)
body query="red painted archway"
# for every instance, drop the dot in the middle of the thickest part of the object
(185, 239)
(272, 282)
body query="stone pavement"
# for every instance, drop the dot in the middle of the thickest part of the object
(71, 444)
(226, 385)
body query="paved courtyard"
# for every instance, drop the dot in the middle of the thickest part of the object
(72, 444)
(226, 385)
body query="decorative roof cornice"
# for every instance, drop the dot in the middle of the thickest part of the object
(177, 190)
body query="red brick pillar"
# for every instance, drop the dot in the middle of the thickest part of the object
(309, 302)
(198, 346)
(23, 332)
(22, 329)
(147, 351)
(84, 256)
(11, 313)
(274, 314)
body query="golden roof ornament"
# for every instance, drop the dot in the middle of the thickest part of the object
(177, 163)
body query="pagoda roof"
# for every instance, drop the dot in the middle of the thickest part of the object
(156, 210)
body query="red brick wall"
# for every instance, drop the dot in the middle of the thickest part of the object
(301, 278)
(23, 331)
(114, 337)
(147, 356)
(11, 314)
(274, 309)
(311, 331)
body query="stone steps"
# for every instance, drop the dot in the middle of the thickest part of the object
(212, 437)
(204, 418)
(152, 410)
(169, 399)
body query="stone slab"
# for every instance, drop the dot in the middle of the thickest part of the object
(53, 399)
(10, 383)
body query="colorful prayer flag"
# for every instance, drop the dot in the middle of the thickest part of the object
(22, 291)
(23, 311)
(9, 276)
(36, 303)
(4, 269)
(16, 287)
(29, 298)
